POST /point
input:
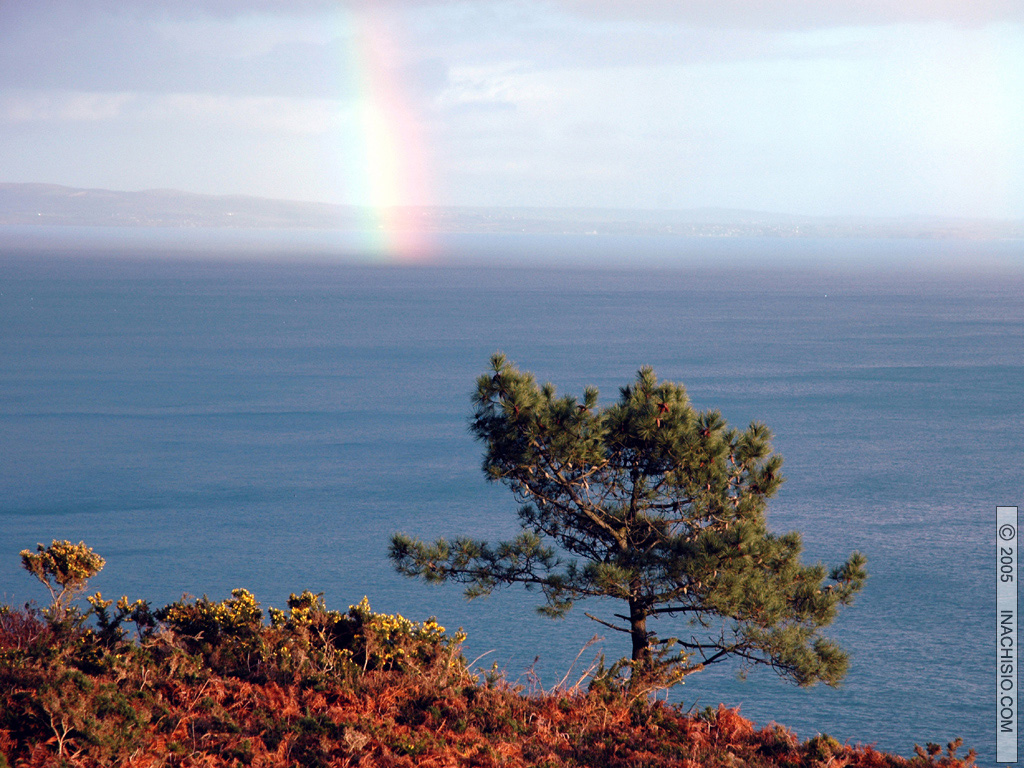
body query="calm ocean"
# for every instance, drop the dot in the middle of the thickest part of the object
(211, 424)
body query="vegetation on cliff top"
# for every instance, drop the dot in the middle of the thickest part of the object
(202, 682)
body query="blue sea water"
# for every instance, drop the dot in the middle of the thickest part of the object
(212, 423)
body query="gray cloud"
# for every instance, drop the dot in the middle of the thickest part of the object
(110, 45)
(84, 10)
(803, 14)
(103, 46)
(743, 14)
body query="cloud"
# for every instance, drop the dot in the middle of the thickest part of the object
(746, 14)
(803, 14)
(765, 14)
(254, 114)
(308, 49)
(75, 107)
(249, 114)
(85, 11)
(107, 47)
(534, 38)
(120, 53)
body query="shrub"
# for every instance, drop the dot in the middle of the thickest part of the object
(64, 569)
(209, 683)
(393, 641)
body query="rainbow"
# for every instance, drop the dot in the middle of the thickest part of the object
(383, 153)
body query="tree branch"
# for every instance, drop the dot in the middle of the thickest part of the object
(607, 624)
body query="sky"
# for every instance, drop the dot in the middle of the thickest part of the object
(846, 107)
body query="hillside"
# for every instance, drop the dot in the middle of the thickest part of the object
(202, 682)
(53, 205)
(402, 696)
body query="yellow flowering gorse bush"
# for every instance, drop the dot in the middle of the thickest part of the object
(395, 640)
(230, 635)
(239, 616)
(64, 569)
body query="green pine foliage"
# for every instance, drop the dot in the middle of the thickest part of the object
(655, 505)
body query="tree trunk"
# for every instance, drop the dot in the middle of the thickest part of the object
(638, 632)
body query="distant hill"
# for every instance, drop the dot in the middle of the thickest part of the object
(53, 205)
(50, 204)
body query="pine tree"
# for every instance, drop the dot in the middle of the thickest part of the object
(658, 506)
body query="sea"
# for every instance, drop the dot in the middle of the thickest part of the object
(266, 415)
